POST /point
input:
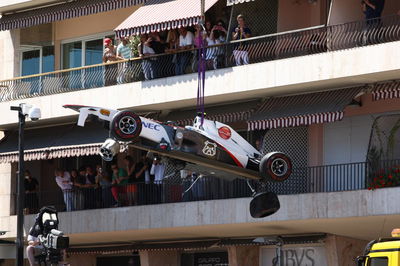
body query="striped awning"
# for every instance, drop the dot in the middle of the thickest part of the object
(65, 10)
(54, 142)
(166, 246)
(302, 110)
(386, 90)
(228, 113)
(52, 153)
(234, 2)
(160, 15)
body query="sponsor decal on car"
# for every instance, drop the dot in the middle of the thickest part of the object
(151, 126)
(105, 112)
(224, 132)
(210, 148)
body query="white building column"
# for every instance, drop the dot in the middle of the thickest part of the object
(159, 258)
(5, 189)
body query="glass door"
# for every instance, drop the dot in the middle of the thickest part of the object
(72, 57)
(31, 66)
(93, 55)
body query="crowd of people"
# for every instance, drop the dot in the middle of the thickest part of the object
(127, 185)
(140, 182)
(180, 48)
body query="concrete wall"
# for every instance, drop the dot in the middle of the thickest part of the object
(5, 189)
(361, 214)
(280, 77)
(10, 56)
(343, 250)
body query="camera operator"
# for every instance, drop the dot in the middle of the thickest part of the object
(34, 247)
(45, 239)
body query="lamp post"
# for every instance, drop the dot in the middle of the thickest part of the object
(34, 114)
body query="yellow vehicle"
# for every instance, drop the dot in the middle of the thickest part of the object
(382, 252)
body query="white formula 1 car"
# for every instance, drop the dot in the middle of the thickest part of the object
(211, 148)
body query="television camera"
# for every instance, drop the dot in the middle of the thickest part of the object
(52, 240)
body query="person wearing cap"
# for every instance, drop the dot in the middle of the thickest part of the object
(109, 55)
(123, 52)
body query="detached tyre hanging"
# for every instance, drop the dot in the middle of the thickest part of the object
(126, 126)
(264, 204)
(276, 167)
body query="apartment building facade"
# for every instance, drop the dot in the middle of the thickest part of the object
(322, 85)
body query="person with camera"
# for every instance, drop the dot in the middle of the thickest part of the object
(239, 33)
(34, 247)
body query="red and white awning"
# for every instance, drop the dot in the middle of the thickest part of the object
(160, 15)
(52, 153)
(54, 142)
(62, 11)
(302, 110)
(387, 90)
(295, 121)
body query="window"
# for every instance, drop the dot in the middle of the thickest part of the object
(84, 52)
(36, 60)
(378, 261)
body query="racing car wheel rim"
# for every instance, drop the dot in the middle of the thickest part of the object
(279, 167)
(127, 125)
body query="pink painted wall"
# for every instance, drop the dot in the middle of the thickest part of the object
(297, 14)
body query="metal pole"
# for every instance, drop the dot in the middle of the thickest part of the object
(20, 189)
(202, 10)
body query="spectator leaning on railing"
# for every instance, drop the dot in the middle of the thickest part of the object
(146, 50)
(123, 52)
(63, 180)
(239, 33)
(119, 182)
(372, 9)
(78, 182)
(31, 199)
(186, 41)
(109, 55)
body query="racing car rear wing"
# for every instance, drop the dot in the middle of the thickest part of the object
(85, 111)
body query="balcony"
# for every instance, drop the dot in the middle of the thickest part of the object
(317, 179)
(260, 49)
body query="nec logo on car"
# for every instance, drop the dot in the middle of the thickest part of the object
(151, 126)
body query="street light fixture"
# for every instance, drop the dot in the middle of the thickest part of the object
(34, 113)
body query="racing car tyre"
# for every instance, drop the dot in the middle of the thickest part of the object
(276, 167)
(264, 204)
(126, 126)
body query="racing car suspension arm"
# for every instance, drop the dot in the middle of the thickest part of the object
(253, 191)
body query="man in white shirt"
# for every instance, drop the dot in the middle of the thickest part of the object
(33, 249)
(186, 41)
(63, 180)
(157, 169)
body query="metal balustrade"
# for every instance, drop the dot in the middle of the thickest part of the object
(317, 179)
(258, 49)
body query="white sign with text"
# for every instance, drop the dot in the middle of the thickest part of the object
(234, 2)
(295, 256)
